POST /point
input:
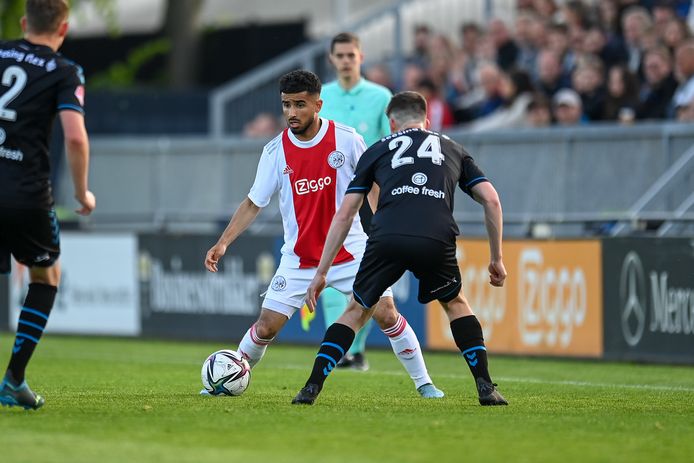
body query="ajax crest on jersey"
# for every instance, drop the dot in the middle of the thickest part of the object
(336, 159)
(226, 372)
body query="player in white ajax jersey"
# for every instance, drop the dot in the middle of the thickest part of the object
(311, 164)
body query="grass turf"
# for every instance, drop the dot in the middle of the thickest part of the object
(116, 400)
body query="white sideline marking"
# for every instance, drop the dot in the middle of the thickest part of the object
(511, 379)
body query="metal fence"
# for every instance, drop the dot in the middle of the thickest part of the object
(563, 181)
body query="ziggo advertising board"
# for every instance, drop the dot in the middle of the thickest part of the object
(551, 303)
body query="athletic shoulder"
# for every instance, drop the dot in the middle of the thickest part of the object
(271, 147)
(344, 128)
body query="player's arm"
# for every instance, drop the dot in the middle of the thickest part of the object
(339, 228)
(77, 147)
(373, 197)
(485, 194)
(244, 216)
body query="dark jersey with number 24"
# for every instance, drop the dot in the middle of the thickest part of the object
(417, 172)
(35, 84)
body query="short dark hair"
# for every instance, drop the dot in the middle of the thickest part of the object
(345, 37)
(45, 16)
(406, 106)
(299, 81)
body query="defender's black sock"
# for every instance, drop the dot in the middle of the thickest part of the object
(32, 321)
(467, 333)
(336, 342)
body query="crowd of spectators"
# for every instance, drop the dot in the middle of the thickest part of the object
(560, 62)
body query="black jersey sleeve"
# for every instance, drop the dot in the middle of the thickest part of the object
(364, 174)
(470, 174)
(71, 90)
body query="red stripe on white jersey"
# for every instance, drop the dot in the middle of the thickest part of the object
(313, 184)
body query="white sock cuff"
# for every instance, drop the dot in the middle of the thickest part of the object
(258, 340)
(397, 329)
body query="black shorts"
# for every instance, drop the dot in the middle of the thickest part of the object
(387, 258)
(32, 236)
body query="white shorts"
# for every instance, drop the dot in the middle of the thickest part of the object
(287, 290)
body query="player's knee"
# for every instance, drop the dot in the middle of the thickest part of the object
(45, 275)
(457, 307)
(386, 314)
(266, 329)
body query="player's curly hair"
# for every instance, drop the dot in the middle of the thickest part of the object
(45, 16)
(299, 81)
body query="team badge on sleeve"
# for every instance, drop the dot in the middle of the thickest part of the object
(336, 159)
(79, 94)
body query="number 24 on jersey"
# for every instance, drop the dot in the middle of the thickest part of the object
(429, 148)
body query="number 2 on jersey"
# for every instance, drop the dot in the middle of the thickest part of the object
(430, 148)
(15, 78)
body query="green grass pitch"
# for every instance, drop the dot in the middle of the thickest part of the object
(128, 401)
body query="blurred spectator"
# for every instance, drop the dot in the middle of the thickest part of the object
(635, 24)
(588, 81)
(420, 52)
(567, 107)
(684, 62)
(576, 15)
(660, 85)
(607, 17)
(464, 73)
(484, 98)
(263, 125)
(441, 56)
(597, 42)
(546, 9)
(663, 11)
(517, 90)
(411, 76)
(550, 75)
(539, 111)
(506, 49)
(622, 95)
(675, 33)
(526, 22)
(558, 41)
(380, 74)
(686, 113)
(438, 112)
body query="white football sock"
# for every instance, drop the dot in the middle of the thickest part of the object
(253, 347)
(406, 347)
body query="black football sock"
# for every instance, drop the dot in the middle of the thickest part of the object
(32, 321)
(336, 342)
(467, 333)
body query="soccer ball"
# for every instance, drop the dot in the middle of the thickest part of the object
(226, 372)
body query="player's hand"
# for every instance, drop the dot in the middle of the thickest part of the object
(88, 202)
(497, 273)
(213, 255)
(314, 289)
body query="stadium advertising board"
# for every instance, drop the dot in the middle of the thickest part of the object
(306, 327)
(649, 299)
(551, 303)
(181, 299)
(98, 290)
